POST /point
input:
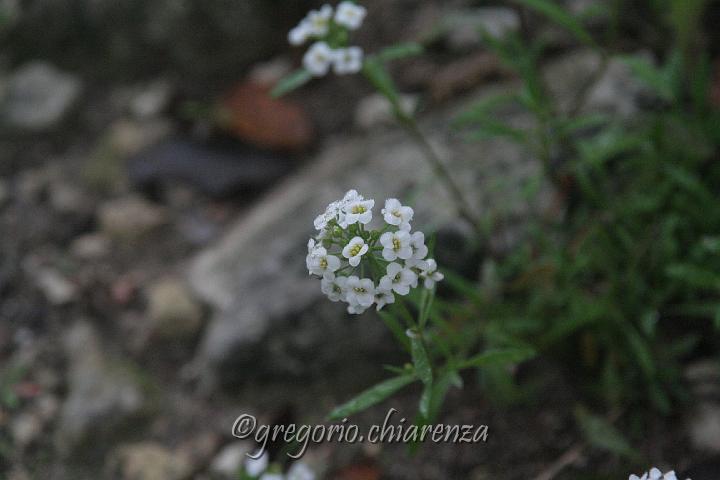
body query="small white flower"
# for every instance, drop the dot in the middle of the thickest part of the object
(255, 466)
(396, 245)
(334, 288)
(354, 251)
(398, 279)
(397, 214)
(429, 273)
(318, 21)
(321, 264)
(356, 309)
(360, 291)
(359, 211)
(318, 58)
(300, 471)
(655, 474)
(383, 297)
(420, 250)
(350, 15)
(300, 34)
(348, 60)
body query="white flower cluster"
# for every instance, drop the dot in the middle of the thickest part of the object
(258, 468)
(328, 28)
(361, 266)
(655, 474)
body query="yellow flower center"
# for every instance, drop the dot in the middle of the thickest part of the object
(358, 209)
(323, 263)
(355, 249)
(359, 290)
(396, 244)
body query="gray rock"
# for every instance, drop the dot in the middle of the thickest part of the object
(137, 36)
(103, 394)
(38, 97)
(4, 193)
(375, 111)
(173, 311)
(616, 92)
(25, 429)
(130, 218)
(58, 290)
(91, 246)
(464, 26)
(148, 461)
(704, 427)
(151, 100)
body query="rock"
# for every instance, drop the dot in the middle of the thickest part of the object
(227, 463)
(68, 199)
(38, 97)
(617, 92)
(25, 429)
(173, 311)
(4, 193)
(103, 394)
(58, 290)
(137, 36)
(374, 110)
(127, 137)
(703, 377)
(148, 461)
(464, 74)
(217, 170)
(151, 100)
(252, 115)
(92, 246)
(704, 427)
(130, 217)
(464, 26)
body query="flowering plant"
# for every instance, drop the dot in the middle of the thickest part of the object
(361, 266)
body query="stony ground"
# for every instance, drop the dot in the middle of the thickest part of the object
(151, 264)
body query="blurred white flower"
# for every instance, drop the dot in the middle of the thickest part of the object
(398, 279)
(318, 21)
(272, 476)
(356, 309)
(347, 61)
(256, 466)
(429, 273)
(350, 15)
(397, 214)
(318, 58)
(354, 250)
(383, 297)
(300, 34)
(334, 288)
(396, 245)
(360, 291)
(655, 474)
(419, 249)
(300, 471)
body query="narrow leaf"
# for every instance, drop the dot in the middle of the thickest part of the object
(371, 397)
(602, 434)
(400, 51)
(557, 14)
(497, 357)
(292, 82)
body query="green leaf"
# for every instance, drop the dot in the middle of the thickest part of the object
(378, 75)
(372, 396)
(557, 14)
(441, 386)
(423, 369)
(498, 357)
(694, 276)
(426, 301)
(400, 51)
(292, 82)
(657, 79)
(602, 434)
